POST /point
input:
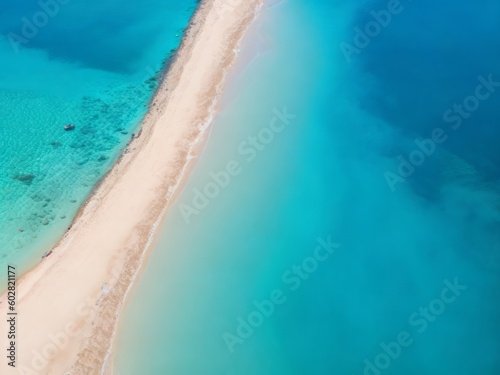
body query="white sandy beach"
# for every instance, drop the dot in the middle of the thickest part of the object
(69, 304)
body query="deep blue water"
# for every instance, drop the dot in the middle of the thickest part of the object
(425, 62)
(419, 255)
(91, 63)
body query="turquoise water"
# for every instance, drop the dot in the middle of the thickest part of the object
(94, 64)
(409, 283)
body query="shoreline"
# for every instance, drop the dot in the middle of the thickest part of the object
(163, 72)
(61, 279)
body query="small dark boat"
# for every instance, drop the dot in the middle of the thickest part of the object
(46, 254)
(69, 127)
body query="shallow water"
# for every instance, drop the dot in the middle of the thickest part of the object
(418, 259)
(94, 64)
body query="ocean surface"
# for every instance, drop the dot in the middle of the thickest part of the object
(344, 216)
(94, 64)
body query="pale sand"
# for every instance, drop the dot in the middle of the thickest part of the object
(69, 304)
